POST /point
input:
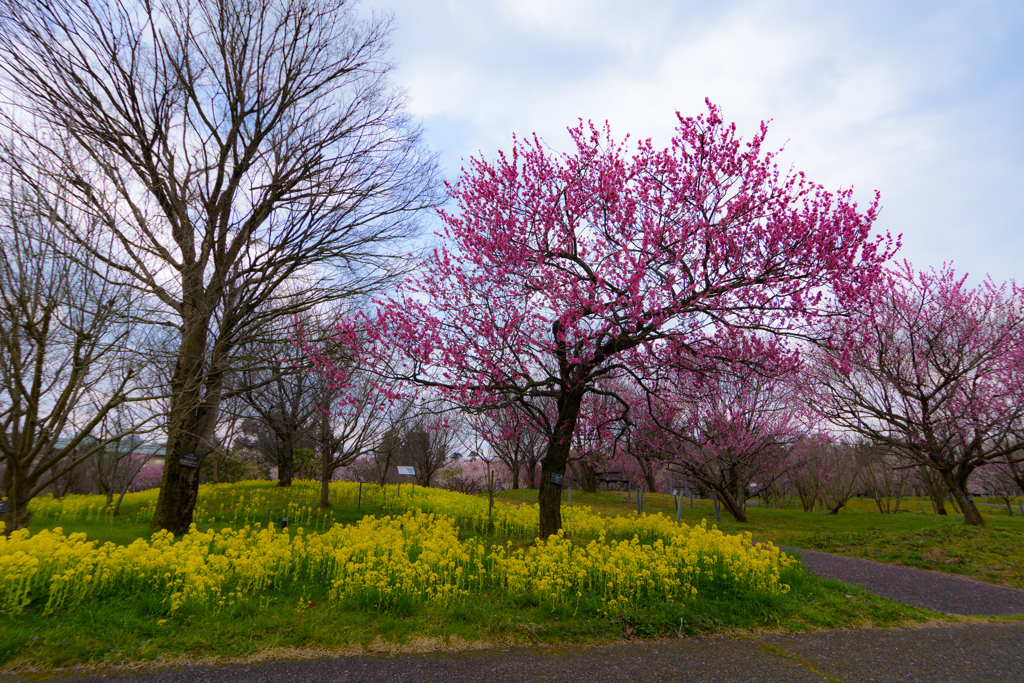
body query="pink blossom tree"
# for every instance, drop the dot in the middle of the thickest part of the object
(931, 371)
(733, 423)
(561, 272)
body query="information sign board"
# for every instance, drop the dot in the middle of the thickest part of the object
(407, 470)
(557, 479)
(190, 460)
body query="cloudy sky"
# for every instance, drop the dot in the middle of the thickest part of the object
(923, 101)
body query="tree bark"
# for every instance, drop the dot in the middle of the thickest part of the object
(192, 417)
(285, 467)
(550, 497)
(732, 506)
(16, 517)
(17, 490)
(555, 462)
(958, 490)
(325, 487)
(652, 486)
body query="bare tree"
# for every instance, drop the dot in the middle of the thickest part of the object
(230, 147)
(842, 467)
(934, 486)
(355, 421)
(283, 399)
(229, 430)
(515, 441)
(66, 351)
(430, 445)
(887, 476)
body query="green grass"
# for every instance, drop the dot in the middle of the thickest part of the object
(994, 553)
(133, 628)
(128, 629)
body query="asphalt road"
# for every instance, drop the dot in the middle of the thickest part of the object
(964, 654)
(925, 589)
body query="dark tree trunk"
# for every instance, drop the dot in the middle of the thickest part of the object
(15, 518)
(957, 484)
(179, 489)
(586, 476)
(555, 462)
(285, 466)
(732, 506)
(17, 490)
(550, 497)
(652, 486)
(195, 401)
(326, 472)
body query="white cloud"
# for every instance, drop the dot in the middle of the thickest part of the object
(920, 102)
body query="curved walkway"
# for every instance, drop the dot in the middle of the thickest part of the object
(928, 590)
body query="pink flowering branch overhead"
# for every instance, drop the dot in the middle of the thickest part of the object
(559, 271)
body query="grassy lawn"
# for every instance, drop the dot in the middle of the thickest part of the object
(913, 537)
(125, 628)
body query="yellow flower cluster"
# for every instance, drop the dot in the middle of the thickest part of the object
(669, 569)
(414, 557)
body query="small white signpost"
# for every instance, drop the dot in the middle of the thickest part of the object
(409, 472)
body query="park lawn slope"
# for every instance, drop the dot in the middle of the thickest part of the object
(423, 566)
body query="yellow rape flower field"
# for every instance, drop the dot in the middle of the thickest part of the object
(405, 566)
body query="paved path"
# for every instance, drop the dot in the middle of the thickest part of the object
(962, 654)
(928, 590)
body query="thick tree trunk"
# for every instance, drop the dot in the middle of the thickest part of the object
(958, 490)
(586, 476)
(18, 491)
(326, 472)
(515, 471)
(15, 518)
(286, 464)
(325, 491)
(550, 498)
(555, 462)
(732, 505)
(179, 489)
(652, 485)
(195, 401)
